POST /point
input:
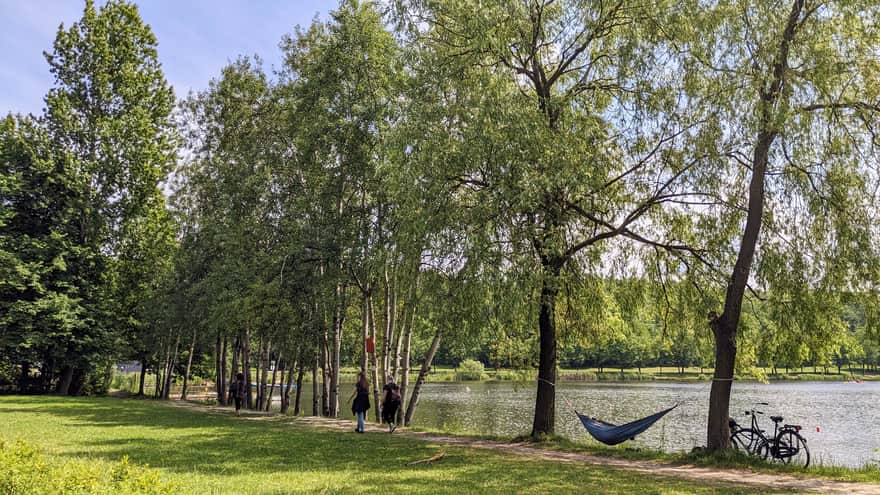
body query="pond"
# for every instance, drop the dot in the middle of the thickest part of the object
(845, 414)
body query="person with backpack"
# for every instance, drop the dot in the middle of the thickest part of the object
(390, 403)
(361, 403)
(236, 390)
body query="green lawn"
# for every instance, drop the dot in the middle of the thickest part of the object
(217, 453)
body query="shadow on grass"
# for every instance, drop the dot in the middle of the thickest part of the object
(274, 456)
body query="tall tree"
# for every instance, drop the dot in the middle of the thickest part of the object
(791, 92)
(545, 126)
(110, 111)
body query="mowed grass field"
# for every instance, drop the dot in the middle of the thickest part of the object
(221, 454)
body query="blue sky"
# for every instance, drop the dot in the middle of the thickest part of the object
(196, 39)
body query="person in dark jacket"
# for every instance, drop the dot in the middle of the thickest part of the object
(236, 390)
(390, 403)
(361, 403)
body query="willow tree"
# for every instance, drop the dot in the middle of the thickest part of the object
(790, 93)
(546, 129)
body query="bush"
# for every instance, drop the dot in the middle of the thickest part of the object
(25, 470)
(516, 375)
(470, 370)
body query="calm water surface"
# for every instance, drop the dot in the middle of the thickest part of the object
(846, 414)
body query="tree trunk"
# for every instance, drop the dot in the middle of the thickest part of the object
(265, 357)
(172, 362)
(374, 364)
(423, 374)
(233, 370)
(404, 374)
(274, 376)
(390, 315)
(66, 378)
(24, 377)
(46, 374)
(224, 384)
(285, 394)
(259, 366)
(297, 405)
(545, 403)
(365, 328)
(189, 360)
(325, 374)
(246, 368)
(315, 395)
(725, 327)
(218, 371)
(158, 386)
(144, 363)
(338, 320)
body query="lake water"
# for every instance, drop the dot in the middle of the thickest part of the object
(846, 414)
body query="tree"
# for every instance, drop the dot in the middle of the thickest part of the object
(536, 130)
(110, 112)
(792, 91)
(40, 296)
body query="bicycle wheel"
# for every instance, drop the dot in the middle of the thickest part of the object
(745, 440)
(791, 448)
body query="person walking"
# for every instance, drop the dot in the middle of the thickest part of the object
(361, 403)
(236, 390)
(390, 403)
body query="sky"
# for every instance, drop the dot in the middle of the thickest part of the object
(196, 39)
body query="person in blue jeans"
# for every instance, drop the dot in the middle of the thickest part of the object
(361, 403)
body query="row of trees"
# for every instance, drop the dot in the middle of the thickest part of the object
(551, 173)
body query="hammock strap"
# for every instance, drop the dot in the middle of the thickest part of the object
(548, 382)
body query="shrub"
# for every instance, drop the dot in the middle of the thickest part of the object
(25, 470)
(470, 370)
(516, 375)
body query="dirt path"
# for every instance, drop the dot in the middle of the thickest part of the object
(777, 482)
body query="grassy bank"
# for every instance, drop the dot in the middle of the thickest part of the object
(210, 453)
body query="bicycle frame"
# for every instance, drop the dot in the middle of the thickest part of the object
(761, 444)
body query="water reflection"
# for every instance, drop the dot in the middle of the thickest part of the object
(845, 413)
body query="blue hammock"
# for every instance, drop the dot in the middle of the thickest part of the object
(610, 434)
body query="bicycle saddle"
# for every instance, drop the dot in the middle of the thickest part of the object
(776, 419)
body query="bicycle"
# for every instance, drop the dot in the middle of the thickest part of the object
(786, 445)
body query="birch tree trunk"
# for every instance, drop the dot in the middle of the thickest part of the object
(274, 376)
(169, 371)
(236, 360)
(423, 373)
(223, 383)
(404, 375)
(189, 360)
(246, 368)
(374, 372)
(315, 395)
(285, 394)
(338, 320)
(325, 374)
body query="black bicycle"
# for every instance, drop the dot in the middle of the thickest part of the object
(785, 445)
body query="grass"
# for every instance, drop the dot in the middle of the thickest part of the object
(212, 453)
